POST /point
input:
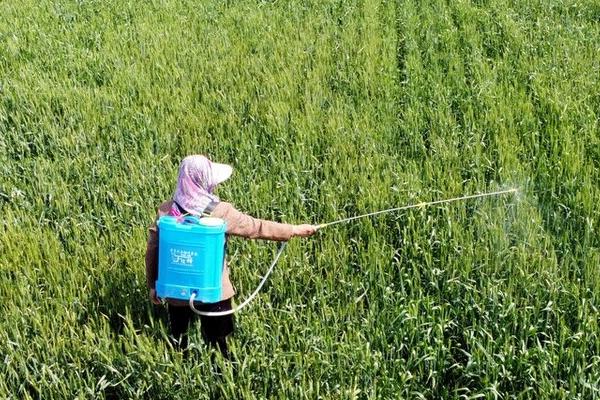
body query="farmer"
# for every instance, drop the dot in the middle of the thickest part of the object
(194, 195)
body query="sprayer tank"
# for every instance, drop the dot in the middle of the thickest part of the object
(191, 253)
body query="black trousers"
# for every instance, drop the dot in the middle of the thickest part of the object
(214, 329)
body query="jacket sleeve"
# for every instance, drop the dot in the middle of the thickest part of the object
(152, 257)
(240, 224)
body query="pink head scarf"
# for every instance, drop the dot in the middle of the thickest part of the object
(198, 177)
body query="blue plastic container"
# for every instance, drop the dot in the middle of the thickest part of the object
(191, 253)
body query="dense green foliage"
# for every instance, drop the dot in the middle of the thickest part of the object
(326, 109)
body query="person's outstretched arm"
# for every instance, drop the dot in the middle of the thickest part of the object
(240, 224)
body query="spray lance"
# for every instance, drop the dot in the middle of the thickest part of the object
(174, 282)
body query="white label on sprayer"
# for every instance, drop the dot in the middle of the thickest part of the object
(182, 257)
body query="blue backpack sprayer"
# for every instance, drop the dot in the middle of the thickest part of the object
(192, 252)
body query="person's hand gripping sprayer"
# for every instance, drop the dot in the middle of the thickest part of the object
(194, 196)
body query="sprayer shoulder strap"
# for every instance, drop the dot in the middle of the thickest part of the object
(207, 211)
(210, 208)
(181, 209)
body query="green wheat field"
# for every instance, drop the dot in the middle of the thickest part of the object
(326, 109)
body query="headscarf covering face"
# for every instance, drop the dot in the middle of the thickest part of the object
(198, 177)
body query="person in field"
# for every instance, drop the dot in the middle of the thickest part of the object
(194, 194)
